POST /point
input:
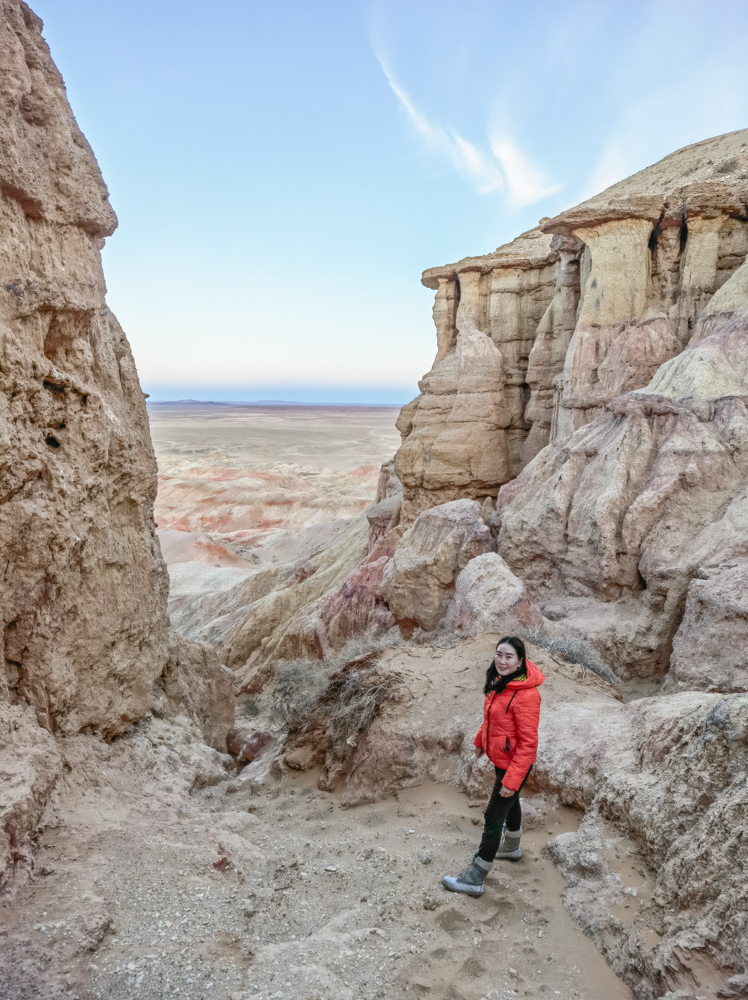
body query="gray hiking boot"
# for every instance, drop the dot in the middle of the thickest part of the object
(509, 849)
(471, 880)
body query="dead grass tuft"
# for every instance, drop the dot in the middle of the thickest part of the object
(573, 650)
(331, 704)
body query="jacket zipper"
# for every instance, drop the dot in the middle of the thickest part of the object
(507, 747)
(488, 719)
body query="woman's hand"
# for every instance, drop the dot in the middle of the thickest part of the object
(478, 752)
(506, 793)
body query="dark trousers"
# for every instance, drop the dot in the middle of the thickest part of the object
(500, 810)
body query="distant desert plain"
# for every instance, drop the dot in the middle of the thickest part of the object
(259, 435)
(243, 486)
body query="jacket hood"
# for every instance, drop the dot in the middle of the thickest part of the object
(535, 678)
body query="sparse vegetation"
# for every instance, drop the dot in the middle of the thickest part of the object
(299, 688)
(727, 167)
(573, 650)
(331, 703)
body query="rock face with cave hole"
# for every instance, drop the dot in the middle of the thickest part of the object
(83, 602)
(84, 587)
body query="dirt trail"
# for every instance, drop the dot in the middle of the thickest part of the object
(144, 890)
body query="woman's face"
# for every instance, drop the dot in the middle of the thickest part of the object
(506, 659)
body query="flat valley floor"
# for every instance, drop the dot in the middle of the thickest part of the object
(261, 436)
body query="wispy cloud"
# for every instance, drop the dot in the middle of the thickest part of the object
(526, 183)
(504, 168)
(466, 158)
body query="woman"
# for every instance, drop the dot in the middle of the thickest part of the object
(509, 736)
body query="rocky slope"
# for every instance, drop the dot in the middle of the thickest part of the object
(83, 605)
(592, 375)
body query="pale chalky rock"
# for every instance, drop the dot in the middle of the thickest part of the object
(419, 585)
(658, 245)
(609, 526)
(579, 311)
(668, 776)
(465, 434)
(488, 597)
(710, 648)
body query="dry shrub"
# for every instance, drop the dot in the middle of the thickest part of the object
(573, 650)
(355, 695)
(299, 688)
(330, 705)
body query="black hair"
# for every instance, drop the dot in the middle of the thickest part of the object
(494, 680)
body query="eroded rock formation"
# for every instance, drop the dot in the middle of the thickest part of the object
(466, 433)
(84, 584)
(84, 589)
(611, 524)
(595, 375)
(536, 338)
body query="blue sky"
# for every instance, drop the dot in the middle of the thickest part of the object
(283, 172)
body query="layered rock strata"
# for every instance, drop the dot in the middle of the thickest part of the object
(536, 338)
(466, 433)
(610, 525)
(658, 245)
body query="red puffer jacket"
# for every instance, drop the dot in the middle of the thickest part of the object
(509, 734)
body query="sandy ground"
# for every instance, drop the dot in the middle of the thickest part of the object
(279, 893)
(164, 874)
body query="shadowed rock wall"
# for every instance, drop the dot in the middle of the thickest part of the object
(84, 587)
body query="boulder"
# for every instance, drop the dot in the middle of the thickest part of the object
(488, 597)
(710, 648)
(246, 742)
(419, 584)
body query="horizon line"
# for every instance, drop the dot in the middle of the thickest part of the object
(262, 402)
